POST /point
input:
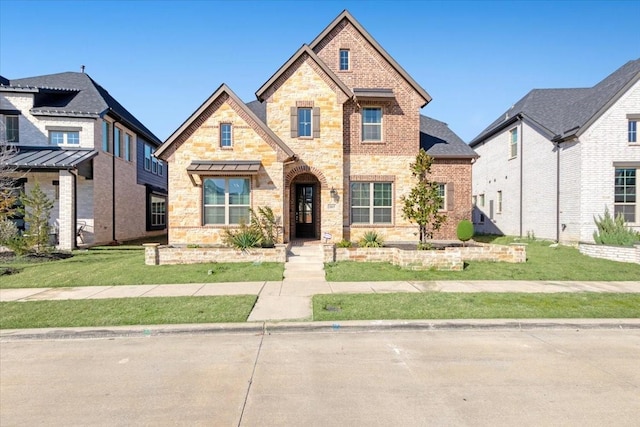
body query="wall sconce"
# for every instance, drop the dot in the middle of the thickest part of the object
(333, 193)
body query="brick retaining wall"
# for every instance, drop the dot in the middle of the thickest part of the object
(613, 253)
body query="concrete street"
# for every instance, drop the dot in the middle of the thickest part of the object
(327, 376)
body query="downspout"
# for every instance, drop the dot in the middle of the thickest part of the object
(113, 189)
(558, 191)
(74, 217)
(521, 169)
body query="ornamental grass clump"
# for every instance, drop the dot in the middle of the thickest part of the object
(613, 231)
(371, 239)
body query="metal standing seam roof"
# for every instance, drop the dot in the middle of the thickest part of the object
(239, 167)
(50, 158)
(367, 93)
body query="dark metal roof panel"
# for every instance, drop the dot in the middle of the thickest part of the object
(239, 167)
(49, 158)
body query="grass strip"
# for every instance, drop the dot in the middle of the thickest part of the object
(441, 305)
(126, 311)
(127, 267)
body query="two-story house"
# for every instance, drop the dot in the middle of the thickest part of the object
(90, 155)
(327, 146)
(559, 158)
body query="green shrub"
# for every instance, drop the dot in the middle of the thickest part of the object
(424, 246)
(8, 230)
(371, 239)
(344, 244)
(613, 231)
(464, 230)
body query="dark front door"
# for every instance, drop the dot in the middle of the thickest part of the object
(305, 220)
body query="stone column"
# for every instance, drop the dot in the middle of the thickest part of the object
(66, 203)
(151, 253)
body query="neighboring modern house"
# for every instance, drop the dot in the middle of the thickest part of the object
(560, 157)
(327, 146)
(89, 155)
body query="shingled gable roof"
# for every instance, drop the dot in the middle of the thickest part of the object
(72, 94)
(302, 51)
(441, 142)
(218, 92)
(346, 15)
(561, 114)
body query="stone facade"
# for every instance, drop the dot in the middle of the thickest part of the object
(328, 160)
(450, 259)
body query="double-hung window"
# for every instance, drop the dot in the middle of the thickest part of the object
(371, 203)
(225, 135)
(305, 122)
(633, 130)
(499, 202)
(513, 143)
(372, 124)
(226, 200)
(158, 211)
(625, 193)
(344, 60)
(12, 128)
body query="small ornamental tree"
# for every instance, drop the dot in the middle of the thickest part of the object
(37, 209)
(464, 230)
(422, 204)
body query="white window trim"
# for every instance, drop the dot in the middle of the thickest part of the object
(513, 155)
(636, 203)
(444, 206)
(222, 125)
(65, 138)
(226, 205)
(371, 205)
(363, 124)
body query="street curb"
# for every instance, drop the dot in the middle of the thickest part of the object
(358, 326)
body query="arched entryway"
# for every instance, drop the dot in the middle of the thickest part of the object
(304, 207)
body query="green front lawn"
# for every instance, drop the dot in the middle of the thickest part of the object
(543, 263)
(126, 311)
(125, 266)
(440, 305)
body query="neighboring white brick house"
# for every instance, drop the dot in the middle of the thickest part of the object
(66, 130)
(560, 157)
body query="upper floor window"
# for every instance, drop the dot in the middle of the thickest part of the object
(481, 200)
(225, 135)
(106, 136)
(633, 130)
(304, 122)
(513, 142)
(147, 157)
(499, 202)
(117, 142)
(372, 124)
(371, 203)
(12, 128)
(127, 147)
(625, 193)
(64, 137)
(344, 60)
(226, 200)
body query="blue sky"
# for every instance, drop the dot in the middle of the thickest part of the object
(162, 59)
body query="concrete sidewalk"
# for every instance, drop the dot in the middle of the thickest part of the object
(291, 300)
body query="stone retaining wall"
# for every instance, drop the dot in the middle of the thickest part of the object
(160, 255)
(613, 253)
(450, 259)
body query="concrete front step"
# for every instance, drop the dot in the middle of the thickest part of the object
(305, 260)
(303, 267)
